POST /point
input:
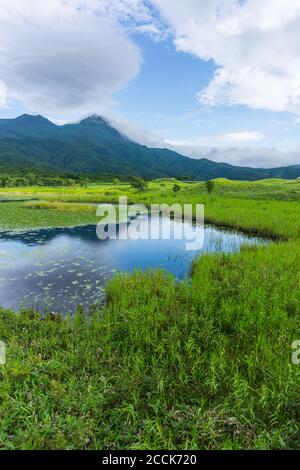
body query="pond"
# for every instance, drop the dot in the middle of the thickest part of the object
(60, 268)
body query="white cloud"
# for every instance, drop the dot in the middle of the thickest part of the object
(150, 29)
(239, 137)
(126, 11)
(230, 138)
(67, 57)
(262, 157)
(254, 43)
(231, 148)
(135, 133)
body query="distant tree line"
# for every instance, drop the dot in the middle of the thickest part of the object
(9, 179)
(30, 178)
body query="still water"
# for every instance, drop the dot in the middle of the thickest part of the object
(58, 269)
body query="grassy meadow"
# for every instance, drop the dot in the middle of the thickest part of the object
(200, 364)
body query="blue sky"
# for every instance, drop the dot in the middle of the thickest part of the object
(219, 79)
(163, 100)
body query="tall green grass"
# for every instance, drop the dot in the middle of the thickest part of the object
(204, 364)
(19, 216)
(228, 206)
(200, 364)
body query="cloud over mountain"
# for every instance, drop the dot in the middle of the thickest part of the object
(64, 57)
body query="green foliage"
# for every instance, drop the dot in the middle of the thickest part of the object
(205, 365)
(93, 146)
(139, 184)
(20, 215)
(210, 186)
(176, 188)
(9, 181)
(83, 182)
(200, 364)
(251, 207)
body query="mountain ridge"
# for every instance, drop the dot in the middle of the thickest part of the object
(94, 146)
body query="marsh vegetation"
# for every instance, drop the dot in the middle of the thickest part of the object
(203, 363)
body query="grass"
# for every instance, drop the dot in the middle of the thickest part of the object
(228, 206)
(201, 364)
(60, 206)
(271, 189)
(33, 215)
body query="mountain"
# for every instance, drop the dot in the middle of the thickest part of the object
(93, 146)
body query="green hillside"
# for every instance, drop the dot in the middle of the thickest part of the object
(93, 146)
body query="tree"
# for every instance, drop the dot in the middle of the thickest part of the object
(70, 182)
(21, 182)
(4, 182)
(31, 178)
(139, 184)
(83, 182)
(176, 188)
(210, 186)
(116, 181)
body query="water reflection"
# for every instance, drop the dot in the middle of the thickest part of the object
(57, 269)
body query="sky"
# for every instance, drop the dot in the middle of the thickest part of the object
(218, 79)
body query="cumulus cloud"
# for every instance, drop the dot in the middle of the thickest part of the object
(254, 43)
(262, 157)
(71, 56)
(67, 57)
